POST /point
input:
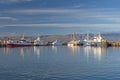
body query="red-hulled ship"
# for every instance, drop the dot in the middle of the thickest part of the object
(20, 43)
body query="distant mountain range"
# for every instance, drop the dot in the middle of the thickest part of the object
(112, 36)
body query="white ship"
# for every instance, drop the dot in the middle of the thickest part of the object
(74, 41)
(96, 41)
(38, 42)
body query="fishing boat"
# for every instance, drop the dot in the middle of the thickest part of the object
(56, 43)
(38, 42)
(98, 39)
(89, 42)
(74, 41)
(51, 43)
(19, 43)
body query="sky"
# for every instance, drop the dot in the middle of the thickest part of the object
(32, 17)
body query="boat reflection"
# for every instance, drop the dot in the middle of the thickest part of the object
(23, 51)
(97, 52)
(74, 49)
(28, 50)
(54, 48)
(6, 50)
(37, 51)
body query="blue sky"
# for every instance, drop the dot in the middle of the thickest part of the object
(58, 16)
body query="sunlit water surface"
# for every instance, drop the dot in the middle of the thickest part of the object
(60, 63)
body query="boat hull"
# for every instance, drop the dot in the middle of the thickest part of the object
(18, 45)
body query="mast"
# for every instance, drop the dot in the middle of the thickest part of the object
(22, 38)
(88, 36)
(38, 38)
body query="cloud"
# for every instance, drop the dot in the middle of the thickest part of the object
(44, 11)
(58, 10)
(64, 25)
(14, 1)
(100, 15)
(78, 5)
(8, 18)
(107, 17)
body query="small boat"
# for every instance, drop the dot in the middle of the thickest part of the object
(53, 43)
(90, 44)
(56, 43)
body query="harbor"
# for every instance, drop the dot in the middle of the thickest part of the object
(72, 40)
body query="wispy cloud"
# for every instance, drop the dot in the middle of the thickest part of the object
(14, 1)
(64, 25)
(58, 10)
(99, 14)
(45, 11)
(8, 18)
(78, 5)
(108, 17)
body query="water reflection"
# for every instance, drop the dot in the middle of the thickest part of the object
(37, 51)
(22, 52)
(54, 48)
(97, 52)
(6, 50)
(29, 50)
(74, 49)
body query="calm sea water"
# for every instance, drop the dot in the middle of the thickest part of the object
(59, 63)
